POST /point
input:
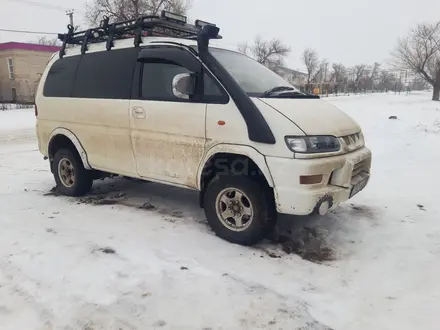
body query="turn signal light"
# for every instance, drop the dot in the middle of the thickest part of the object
(310, 179)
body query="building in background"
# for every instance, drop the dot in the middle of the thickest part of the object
(296, 78)
(21, 67)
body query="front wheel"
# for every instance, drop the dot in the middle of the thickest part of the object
(70, 175)
(239, 209)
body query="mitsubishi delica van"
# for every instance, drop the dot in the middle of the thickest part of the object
(159, 99)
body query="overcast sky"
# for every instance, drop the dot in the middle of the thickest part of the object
(347, 31)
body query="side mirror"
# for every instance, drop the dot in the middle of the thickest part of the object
(184, 86)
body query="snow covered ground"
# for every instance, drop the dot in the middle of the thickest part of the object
(69, 263)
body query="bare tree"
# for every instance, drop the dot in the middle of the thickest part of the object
(375, 71)
(387, 80)
(48, 41)
(311, 60)
(270, 53)
(372, 76)
(322, 76)
(359, 72)
(338, 74)
(419, 84)
(122, 10)
(316, 68)
(244, 48)
(419, 52)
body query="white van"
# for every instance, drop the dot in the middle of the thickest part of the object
(151, 99)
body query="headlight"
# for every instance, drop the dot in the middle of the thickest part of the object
(313, 144)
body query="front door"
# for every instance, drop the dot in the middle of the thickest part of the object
(168, 133)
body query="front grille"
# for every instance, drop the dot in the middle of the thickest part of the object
(353, 141)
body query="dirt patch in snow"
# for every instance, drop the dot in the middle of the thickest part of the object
(173, 213)
(105, 250)
(160, 324)
(53, 192)
(362, 210)
(308, 243)
(97, 200)
(148, 206)
(103, 199)
(93, 198)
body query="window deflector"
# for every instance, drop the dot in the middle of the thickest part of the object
(173, 55)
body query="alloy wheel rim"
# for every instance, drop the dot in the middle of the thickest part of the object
(66, 172)
(234, 209)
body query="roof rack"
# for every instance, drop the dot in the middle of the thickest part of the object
(167, 25)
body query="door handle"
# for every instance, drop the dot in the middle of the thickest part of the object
(139, 112)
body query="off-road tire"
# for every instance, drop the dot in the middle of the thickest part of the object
(83, 179)
(264, 218)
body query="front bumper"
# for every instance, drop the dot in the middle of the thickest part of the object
(340, 175)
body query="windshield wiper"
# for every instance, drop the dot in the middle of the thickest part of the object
(286, 92)
(278, 89)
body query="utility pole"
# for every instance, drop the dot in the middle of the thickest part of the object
(70, 14)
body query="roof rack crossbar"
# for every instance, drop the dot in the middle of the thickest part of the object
(147, 25)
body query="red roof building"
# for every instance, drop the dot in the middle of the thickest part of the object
(21, 67)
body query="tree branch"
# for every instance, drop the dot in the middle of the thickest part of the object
(122, 10)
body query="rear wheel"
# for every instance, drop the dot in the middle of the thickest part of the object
(239, 209)
(71, 177)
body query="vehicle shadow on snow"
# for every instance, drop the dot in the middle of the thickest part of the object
(321, 238)
(174, 204)
(314, 238)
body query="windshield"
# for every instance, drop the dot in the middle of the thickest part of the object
(253, 77)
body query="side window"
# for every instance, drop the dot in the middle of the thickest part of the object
(161, 65)
(157, 80)
(106, 74)
(10, 68)
(59, 81)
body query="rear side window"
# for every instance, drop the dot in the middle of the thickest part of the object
(59, 81)
(106, 74)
